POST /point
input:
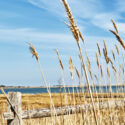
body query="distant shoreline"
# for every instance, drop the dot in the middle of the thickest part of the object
(14, 87)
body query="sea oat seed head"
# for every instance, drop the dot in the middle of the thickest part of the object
(117, 49)
(101, 70)
(105, 55)
(98, 49)
(114, 25)
(97, 60)
(71, 66)
(33, 50)
(60, 62)
(114, 68)
(77, 72)
(108, 73)
(118, 38)
(113, 55)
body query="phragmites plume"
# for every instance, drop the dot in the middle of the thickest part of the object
(80, 35)
(77, 72)
(117, 49)
(113, 55)
(88, 60)
(117, 35)
(114, 25)
(105, 52)
(69, 13)
(77, 34)
(110, 61)
(105, 44)
(73, 27)
(83, 65)
(108, 73)
(105, 47)
(71, 67)
(97, 60)
(33, 50)
(101, 70)
(105, 55)
(74, 32)
(107, 59)
(60, 62)
(118, 38)
(114, 69)
(98, 49)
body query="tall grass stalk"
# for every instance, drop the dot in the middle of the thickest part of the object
(34, 53)
(62, 71)
(77, 34)
(71, 68)
(63, 83)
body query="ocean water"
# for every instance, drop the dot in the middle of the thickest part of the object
(103, 89)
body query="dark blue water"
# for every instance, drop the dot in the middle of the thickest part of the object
(98, 89)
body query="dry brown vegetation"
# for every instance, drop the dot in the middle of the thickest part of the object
(38, 101)
(103, 116)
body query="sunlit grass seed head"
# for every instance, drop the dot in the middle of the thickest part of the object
(117, 49)
(97, 60)
(99, 50)
(116, 29)
(60, 62)
(33, 51)
(117, 34)
(71, 67)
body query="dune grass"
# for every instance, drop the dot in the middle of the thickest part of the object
(106, 116)
(37, 101)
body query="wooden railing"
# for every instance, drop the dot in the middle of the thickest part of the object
(14, 114)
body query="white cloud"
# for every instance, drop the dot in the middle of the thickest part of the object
(48, 41)
(103, 20)
(51, 6)
(23, 34)
(85, 8)
(18, 35)
(94, 10)
(80, 8)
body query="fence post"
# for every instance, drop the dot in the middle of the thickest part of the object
(15, 99)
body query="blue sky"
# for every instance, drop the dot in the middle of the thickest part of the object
(41, 22)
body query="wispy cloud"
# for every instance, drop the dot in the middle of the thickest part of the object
(48, 41)
(23, 34)
(97, 12)
(54, 7)
(103, 20)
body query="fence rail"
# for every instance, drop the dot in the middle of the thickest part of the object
(14, 115)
